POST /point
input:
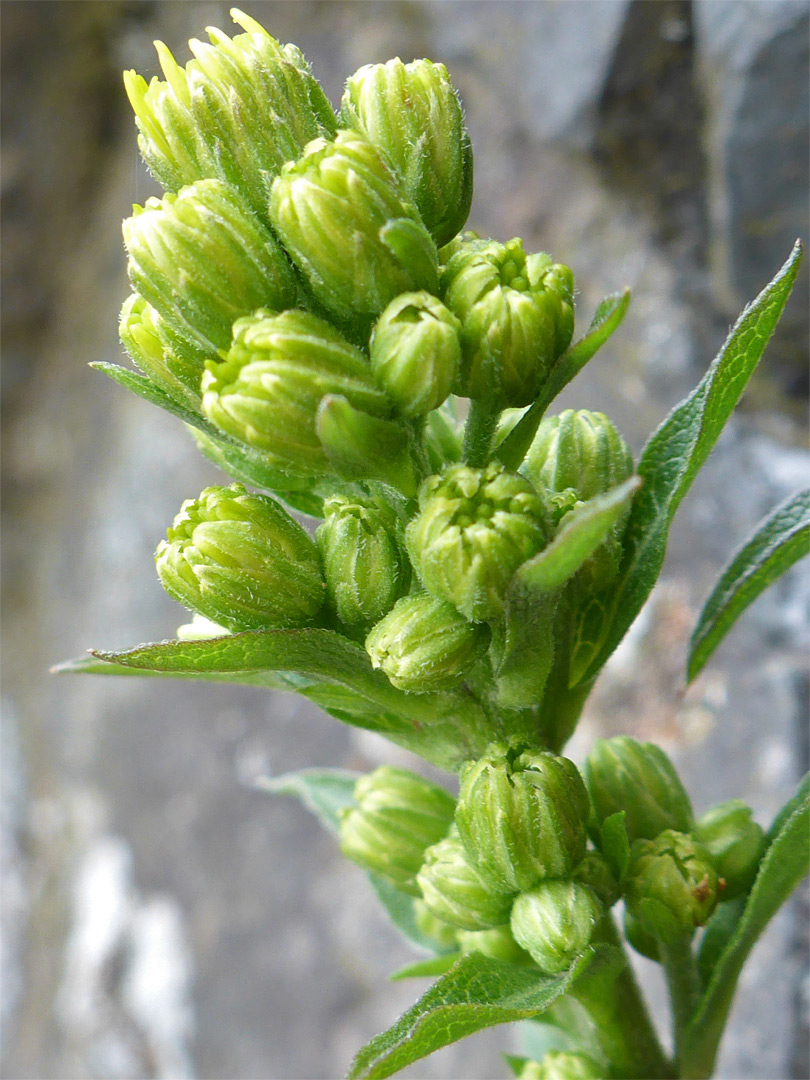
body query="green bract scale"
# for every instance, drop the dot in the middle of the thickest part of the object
(474, 529)
(415, 352)
(362, 564)
(522, 816)
(203, 260)
(638, 778)
(424, 644)
(144, 335)
(562, 1065)
(456, 893)
(267, 389)
(671, 886)
(554, 922)
(735, 843)
(348, 226)
(413, 113)
(240, 560)
(517, 317)
(396, 815)
(238, 111)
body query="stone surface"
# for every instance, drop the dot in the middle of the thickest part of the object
(161, 917)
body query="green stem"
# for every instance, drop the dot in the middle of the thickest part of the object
(621, 1019)
(478, 432)
(683, 981)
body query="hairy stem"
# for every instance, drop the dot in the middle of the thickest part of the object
(478, 432)
(683, 981)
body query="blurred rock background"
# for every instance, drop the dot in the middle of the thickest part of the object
(160, 917)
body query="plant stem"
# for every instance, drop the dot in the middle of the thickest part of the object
(621, 1018)
(683, 981)
(478, 432)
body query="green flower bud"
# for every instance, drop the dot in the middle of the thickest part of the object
(424, 644)
(639, 778)
(522, 817)
(735, 843)
(671, 886)
(517, 317)
(240, 560)
(474, 529)
(267, 390)
(361, 560)
(413, 113)
(554, 922)
(562, 1065)
(346, 222)
(579, 451)
(441, 932)
(415, 352)
(364, 447)
(144, 335)
(395, 817)
(642, 941)
(455, 892)
(498, 944)
(203, 260)
(238, 111)
(594, 872)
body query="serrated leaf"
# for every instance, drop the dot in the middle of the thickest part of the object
(677, 450)
(607, 318)
(476, 993)
(325, 792)
(615, 844)
(778, 542)
(424, 969)
(785, 862)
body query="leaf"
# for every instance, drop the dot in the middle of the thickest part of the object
(476, 993)
(580, 536)
(778, 542)
(421, 969)
(785, 863)
(615, 844)
(608, 317)
(676, 451)
(143, 386)
(90, 664)
(719, 931)
(325, 792)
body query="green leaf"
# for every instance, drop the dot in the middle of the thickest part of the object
(785, 863)
(90, 664)
(421, 969)
(778, 542)
(143, 386)
(719, 931)
(580, 536)
(324, 792)
(476, 993)
(676, 451)
(615, 844)
(516, 1063)
(608, 317)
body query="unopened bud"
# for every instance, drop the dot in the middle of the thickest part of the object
(267, 390)
(203, 260)
(144, 335)
(413, 113)
(522, 817)
(456, 893)
(580, 451)
(347, 224)
(641, 940)
(424, 644)
(474, 529)
(735, 843)
(497, 943)
(554, 922)
(396, 815)
(238, 111)
(517, 317)
(562, 1065)
(365, 447)
(594, 872)
(362, 564)
(671, 886)
(240, 560)
(441, 932)
(638, 778)
(415, 352)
